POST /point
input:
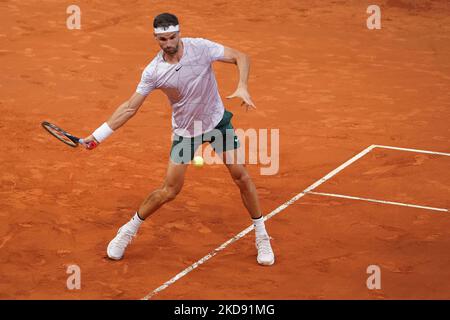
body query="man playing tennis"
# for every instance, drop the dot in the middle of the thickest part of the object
(183, 70)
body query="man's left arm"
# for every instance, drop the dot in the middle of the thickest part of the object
(243, 63)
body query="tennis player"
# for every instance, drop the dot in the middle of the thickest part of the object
(183, 71)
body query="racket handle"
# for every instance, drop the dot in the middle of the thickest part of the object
(90, 145)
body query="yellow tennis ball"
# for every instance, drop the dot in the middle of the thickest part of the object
(197, 161)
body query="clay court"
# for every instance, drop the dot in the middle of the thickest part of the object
(364, 175)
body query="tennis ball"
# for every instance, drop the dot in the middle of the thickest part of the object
(197, 161)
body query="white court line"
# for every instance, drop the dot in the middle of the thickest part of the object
(412, 150)
(250, 228)
(378, 201)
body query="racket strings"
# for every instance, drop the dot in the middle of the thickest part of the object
(59, 134)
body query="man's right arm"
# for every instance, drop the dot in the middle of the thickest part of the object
(126, 111)
(122, 114)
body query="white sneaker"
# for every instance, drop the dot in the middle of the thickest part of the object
(265, 252)
(116, 248)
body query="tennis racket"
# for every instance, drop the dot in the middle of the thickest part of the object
(64, 136)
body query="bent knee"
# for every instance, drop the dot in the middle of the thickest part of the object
(170, 193)
(242, 179)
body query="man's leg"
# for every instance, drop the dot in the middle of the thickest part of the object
(246, 186)
(249, 197)
(169, 190)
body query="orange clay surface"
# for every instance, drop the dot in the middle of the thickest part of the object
(331, 86)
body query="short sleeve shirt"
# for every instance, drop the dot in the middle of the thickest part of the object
(190, 86)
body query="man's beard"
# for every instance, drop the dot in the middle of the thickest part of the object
(171, 51)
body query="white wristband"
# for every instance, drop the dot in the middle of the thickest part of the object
(102, 132)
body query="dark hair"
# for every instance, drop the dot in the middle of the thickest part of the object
(165, 20)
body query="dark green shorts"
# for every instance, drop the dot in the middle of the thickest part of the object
(222, 138)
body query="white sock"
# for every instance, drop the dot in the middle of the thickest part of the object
(135, 223)
(260, 229)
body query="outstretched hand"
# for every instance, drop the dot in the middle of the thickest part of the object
(245, 96)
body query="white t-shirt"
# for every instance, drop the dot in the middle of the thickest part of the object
(190, 86)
